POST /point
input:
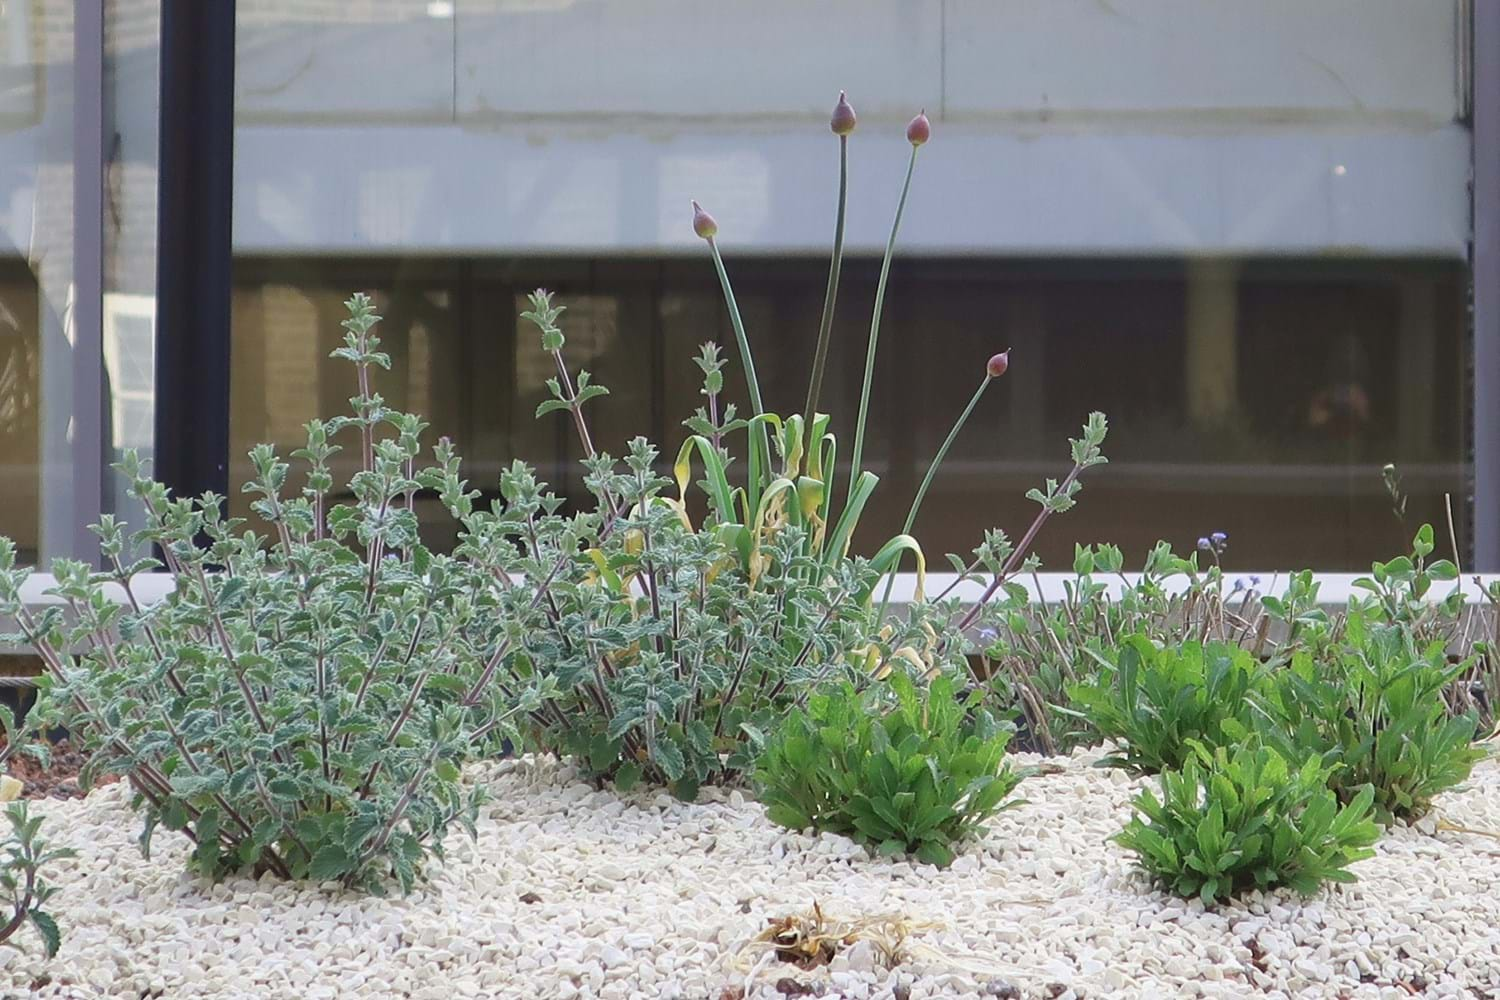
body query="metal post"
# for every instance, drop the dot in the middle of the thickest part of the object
(87, 312)
(1485, 38)
(193, 247)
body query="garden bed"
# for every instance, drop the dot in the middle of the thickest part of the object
(571, 891)
(58, 779)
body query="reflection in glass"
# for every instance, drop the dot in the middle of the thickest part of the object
(132, 67)
(36, 275)
(20, 406)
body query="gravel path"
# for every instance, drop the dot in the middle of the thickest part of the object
(575, 893)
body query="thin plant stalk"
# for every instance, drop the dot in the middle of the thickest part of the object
(739, 330)
(758, 439)
(825, 328)
(885, 270)
(1017, 556)
(916, 503)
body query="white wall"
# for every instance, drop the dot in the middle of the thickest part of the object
(1061, 126)
(1189, 60)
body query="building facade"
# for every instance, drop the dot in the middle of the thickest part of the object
(1244, 230)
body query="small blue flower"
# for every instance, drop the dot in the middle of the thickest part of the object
(1204, 544)
(1219, 539)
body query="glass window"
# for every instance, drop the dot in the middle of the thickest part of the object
(1257, 268)
(36, 276)
(132, 67)
(1257, 397)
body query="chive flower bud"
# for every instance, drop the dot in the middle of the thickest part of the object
(843, 120)
(703, 223)
(996, 366)
(919, 130)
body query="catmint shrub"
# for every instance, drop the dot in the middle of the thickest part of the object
(301, 701)
(23, 857)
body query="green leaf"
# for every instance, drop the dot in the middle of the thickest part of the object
(331, 861)
(627, 776)
(47, 928)
(668, 757)
(935, 853)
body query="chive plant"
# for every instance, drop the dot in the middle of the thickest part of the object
(676, 641)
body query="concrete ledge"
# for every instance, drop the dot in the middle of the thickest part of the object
(1335, 589)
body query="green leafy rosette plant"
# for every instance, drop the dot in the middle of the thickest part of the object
(1374, 707)
(676, 638)
(1159, 702)
(1228, 822)
(301, 701)
(918, 777)
(1035, 652)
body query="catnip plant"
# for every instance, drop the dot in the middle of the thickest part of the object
(24, 854)
(25, 890)
(676, 640)
(301, 701)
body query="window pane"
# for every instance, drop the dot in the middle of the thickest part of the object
(1256, 267)
(1256, 397)
(132, 68)
(36, 275)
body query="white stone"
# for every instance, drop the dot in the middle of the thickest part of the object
(643, 896)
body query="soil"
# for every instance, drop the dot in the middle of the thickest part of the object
(57, 781)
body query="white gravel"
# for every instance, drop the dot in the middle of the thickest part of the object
(645, 897)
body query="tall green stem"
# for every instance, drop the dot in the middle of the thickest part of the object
(758, 438)
(942, 453)
(916, 503)
(825, 328)
(739, 330)
(885, 270)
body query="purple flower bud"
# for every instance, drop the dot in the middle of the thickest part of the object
(919, 130)
(703, 223)
(1218, 538)
(1204, 545)
(843, 119)
(996, 366)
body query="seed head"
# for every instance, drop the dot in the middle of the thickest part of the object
(843, 120)
(703, 223)
(919, 130)
(996, 366)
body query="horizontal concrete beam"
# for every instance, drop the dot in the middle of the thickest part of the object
(474, 61)
(1335, 590)
(551, 188)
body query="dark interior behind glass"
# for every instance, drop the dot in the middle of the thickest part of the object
(1258, 397)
